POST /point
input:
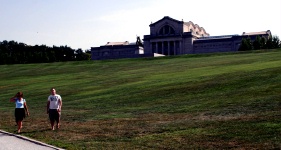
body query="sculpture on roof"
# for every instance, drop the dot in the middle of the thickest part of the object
(139, 42)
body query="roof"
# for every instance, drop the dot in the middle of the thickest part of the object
(166, 17)
(217, 37)
(256, 33)
(117, 43)
(195, 26)
(190, 23)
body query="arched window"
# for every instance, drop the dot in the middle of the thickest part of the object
(166, 30)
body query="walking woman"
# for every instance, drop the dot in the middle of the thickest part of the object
(21, 109)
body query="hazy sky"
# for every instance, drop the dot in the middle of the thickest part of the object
(91, 23)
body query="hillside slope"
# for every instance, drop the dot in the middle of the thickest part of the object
(211, 101)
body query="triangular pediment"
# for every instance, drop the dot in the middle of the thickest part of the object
(166, 19)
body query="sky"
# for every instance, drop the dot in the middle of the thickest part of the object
(92, 23)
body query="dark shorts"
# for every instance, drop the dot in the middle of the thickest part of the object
(54, 115)
(19, 114)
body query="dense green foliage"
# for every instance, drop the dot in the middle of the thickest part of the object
(210, 101)
(12, 52)
(260, 43)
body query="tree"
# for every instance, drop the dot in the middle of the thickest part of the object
(263, 42)
(257, 43)
(12, 52)
(246, 44)
(275, 42)
(269, 43)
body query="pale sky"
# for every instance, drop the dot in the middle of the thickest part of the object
(92, 23)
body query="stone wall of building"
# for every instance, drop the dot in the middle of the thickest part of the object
(211, 46)
(172, 37)
(117, 51)
(157, 26)
(187, 43)
(146, 45)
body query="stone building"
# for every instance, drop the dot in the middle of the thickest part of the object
(173, 37)
(169, 36)
(116, 50)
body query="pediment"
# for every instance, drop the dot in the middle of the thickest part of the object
(166, 20)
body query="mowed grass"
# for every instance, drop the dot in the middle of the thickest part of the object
(211, 101)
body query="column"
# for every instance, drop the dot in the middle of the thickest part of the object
(180, 48)
(162, 47)
(175, 52)
(156, 47)
(168, 48)
(151, 47)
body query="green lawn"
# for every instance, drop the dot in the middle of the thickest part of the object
(211, 101)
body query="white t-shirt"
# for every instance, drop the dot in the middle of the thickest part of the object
(54, 101)
(20, 104)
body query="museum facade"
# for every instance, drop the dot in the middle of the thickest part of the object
(169, 36)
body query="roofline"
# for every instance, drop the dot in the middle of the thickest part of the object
(166, 17)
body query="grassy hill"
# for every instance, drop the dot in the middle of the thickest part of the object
(212, 101)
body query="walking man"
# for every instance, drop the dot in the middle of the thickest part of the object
(54, 108)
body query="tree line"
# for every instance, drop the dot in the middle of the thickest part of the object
(12, 52)
(259, 43)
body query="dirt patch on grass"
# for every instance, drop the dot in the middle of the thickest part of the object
(223, 117)
(147, 131)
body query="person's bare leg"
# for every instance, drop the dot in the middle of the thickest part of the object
(19, 126)
(58, 123)
(52, 125)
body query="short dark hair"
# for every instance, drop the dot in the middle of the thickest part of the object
(19, 94)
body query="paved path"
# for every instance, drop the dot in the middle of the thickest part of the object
(9, 141)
